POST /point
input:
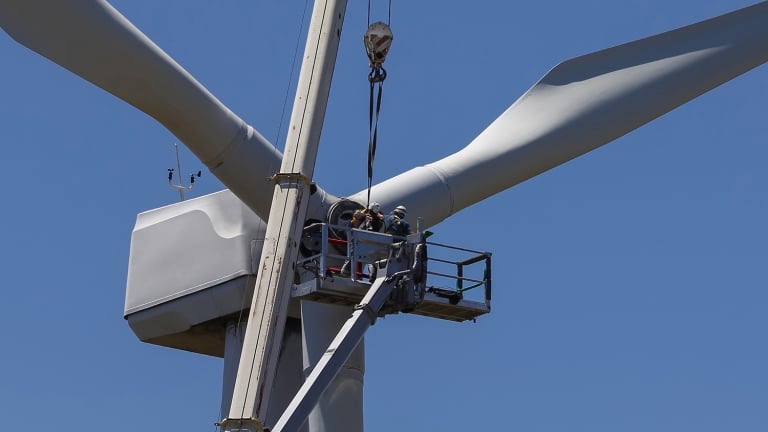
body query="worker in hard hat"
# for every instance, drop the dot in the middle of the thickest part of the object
(370, 219)
(395, 222)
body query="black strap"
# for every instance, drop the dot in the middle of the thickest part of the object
(373, 124)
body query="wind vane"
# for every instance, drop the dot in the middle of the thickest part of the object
(180, 186)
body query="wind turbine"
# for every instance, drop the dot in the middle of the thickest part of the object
(438, 213)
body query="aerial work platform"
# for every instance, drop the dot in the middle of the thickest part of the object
(443, 295)
(380, 274)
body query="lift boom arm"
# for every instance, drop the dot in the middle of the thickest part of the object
(329, 365)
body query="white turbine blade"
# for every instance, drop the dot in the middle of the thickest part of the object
(580, 105)
(93, 40)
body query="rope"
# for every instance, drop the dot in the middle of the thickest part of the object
(389, 13)
(290, 75)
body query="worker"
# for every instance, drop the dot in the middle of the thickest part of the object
(395, 222)
(370, 219)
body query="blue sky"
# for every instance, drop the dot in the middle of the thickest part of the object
(630, 284)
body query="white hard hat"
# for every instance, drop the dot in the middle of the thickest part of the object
(401, 209)
(374, 206)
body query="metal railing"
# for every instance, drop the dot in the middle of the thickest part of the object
(461, 262)
(464, 269)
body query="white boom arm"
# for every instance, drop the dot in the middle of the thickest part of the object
(266, 320)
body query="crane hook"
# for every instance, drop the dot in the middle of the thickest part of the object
(377, 40)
